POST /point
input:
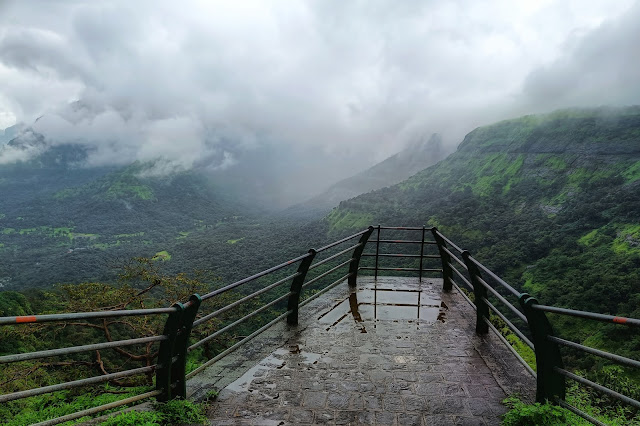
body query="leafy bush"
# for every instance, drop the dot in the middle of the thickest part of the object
(174, 412)
(522, 414)
(135, 418)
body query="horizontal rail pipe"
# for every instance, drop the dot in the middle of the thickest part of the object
(497, 333)
(613, 357)
(324, 290)
(335, 243)
(404, 242)
(244, 299)
(237, 345)
(499, 280)
(511, 326)
(504, 301)
(454, 257)
(380, 268)
(598, 387)
(239, 321)
(451, 243)
(579, 412)
(403, 228)
(462, 277)
(76, 349)
(76, 383)
(254, 277)
(631, 322)
(99, 409)
(27, 319)
(330, 258)
(324, 274)
(425, 256)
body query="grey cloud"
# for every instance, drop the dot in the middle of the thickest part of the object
(349, 83)
(598, 68)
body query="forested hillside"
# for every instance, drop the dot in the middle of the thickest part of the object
(549, 202)
(62, 222)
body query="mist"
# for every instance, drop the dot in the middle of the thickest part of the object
(327, 88)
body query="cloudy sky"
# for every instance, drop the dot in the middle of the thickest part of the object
(187, 80)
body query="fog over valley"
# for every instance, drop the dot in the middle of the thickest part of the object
(298, 95)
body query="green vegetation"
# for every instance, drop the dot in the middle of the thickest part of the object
(339, 220)
(523, 414)
(234, 241)
(170, 413)
(162, 255)
(550, 204)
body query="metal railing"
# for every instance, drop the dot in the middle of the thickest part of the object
(458, 265)
(170, 369)
(455, 266)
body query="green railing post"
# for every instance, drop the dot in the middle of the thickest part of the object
(549, 384)
(480, 294)
(357, 254)
(375, 276)
(296, 287)
(421, 254)
(445, 258)
(172, 357)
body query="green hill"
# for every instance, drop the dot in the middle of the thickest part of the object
(551, 202)
(63, 223)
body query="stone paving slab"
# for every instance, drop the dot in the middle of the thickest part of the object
(394, 352)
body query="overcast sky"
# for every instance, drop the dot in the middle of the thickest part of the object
(187, 80)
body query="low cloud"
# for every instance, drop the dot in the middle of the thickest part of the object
(198, 84)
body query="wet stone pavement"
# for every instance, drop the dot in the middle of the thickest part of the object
(393, 352)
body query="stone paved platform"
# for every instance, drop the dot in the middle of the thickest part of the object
(395, 351)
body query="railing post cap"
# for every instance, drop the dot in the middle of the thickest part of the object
(527, 300)
(179, 306)
(312, 251)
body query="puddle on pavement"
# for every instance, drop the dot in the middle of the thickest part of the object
(370, 304)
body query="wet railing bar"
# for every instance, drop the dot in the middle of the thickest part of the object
(239, 321)
(579, 412)
(451, 243)
(77, 383)
(598, 387)
(462, 277)
(400, 255)
(76, 349)
(454, 257)
(513, 328)
(255, 276)
(504, 301)
(244, 299)
(495, 277)
(403, 242)
(330, 258)
(237, 345)
(335, 243)
(403, 228)
(324, 290)
(613, 357)
(324, 274)
(99, 409)
(632, 322)
(82, 315)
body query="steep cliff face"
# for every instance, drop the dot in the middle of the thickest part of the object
(552, 202)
